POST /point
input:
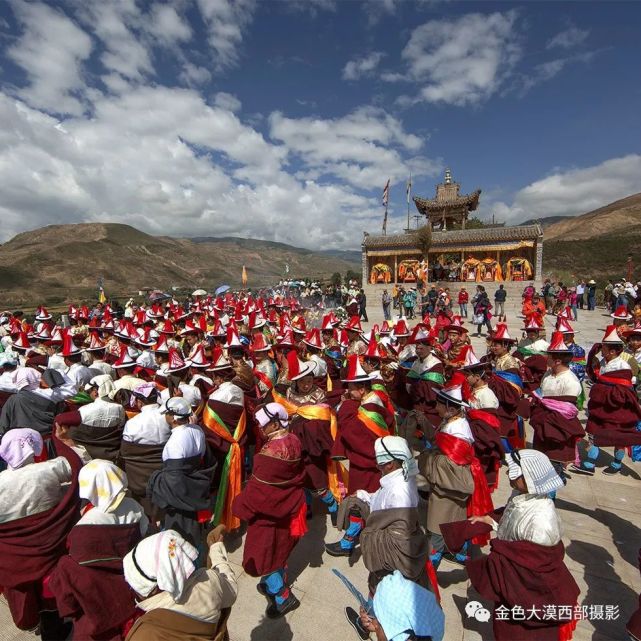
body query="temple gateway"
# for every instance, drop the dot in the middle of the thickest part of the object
(492, 253)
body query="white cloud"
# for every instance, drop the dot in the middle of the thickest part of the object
(51, 51)
(165, 161)
(548, 70)
(167, 26)
(568, 39)
(358, 148)
(364, 66)
(192, 74)
(461, 61)
(118, 25)
(225, 20)
(574, 191)
(227, 101)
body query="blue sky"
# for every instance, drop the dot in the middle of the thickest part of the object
(283, 120)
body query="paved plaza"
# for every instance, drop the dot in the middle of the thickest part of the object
(602, 532)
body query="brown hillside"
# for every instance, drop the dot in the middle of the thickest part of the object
(616, 217)
(64, 262)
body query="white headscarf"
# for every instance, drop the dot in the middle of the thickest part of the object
(535, 467)
(460, 428)
(103, 484)
(165, 560)
(105, 385)
(19, 445)
(27, 378)
(395, 448)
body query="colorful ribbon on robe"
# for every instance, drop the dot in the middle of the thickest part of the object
(288, 405)
(265, 380)
(564, 408)
(373, 421)
(231, 478)
(381, 391)
(513, 379)
(461, 452)
(613, 380)
(435, 377)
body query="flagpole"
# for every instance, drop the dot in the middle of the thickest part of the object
(409, 195)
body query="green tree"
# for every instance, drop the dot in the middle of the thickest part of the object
(423, 237)
(336, 279)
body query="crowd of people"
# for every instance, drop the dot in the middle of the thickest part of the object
(135, 444)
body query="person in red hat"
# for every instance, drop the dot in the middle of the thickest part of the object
(458, 487)
(124, 367)
(425, 378)
(506, 382)
(362, 418)
(265, 369)
(313, 347)
(76, 371)
(455, 347)
(313, 421)
(613, 408)
(354, 335)
(554, 413)
(531, 351)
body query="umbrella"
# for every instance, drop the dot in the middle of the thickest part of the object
(157, 295)
(199, 292)
(221, 290)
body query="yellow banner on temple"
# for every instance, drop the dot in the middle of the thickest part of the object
(244, 277)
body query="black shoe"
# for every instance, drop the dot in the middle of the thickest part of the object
(355, 622)
(448, 556)
(610, 471)
(262, 588)
(274, 611)
(581, 469)
(334, 517)
(336, 549)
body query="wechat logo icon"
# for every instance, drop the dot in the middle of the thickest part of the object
(475, 610)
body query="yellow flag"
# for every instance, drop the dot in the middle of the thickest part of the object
(101, 297)
(244, 277)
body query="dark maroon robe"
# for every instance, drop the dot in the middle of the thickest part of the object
(486, 429)
(398, 391)
(271, 501)
(89, 583)
(613, 411)
(423, 396)
(534, 367)
(509, 398)
(30, 548)
(525, 574)
(316, 438)
(555, 435)
(356, 443)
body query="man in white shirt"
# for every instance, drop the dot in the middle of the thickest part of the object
(150, 426)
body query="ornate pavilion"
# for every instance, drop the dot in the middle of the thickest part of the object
(487, 254)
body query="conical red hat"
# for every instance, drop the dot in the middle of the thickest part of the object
(189, 328)
(564, 326)
(611, 336)
(421, 334)
(73, 312)
(219, 362)
(456, 389)
(176, 361)
(144, 338)
(621, 313)
(259, 343)
(68, 346)
(83, 313)
(456, 325)
(385, 328)
(124, 360)
(557, 344)
(534, 321)
(140, 317)
(168, 328)
(470, 361)
(198, 358)
(401, 329)
(202, 323)
(56, 336)
(296, 368)
(298, 325)
(501, 333)
(43, 314)
(238, 314)
(354, 324)
(107, 315)
(15, 326)
(161, 345)
(218, 330)
(343, 338)
(427, 321)
(233, 339)
(22, 342)
(256, 321)
(313, 338)
(95, 343)
(272, 316)
(43, 333)
(286, 338)
(108, 325)
(566, 313)
(328, 323)
(355, 372)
